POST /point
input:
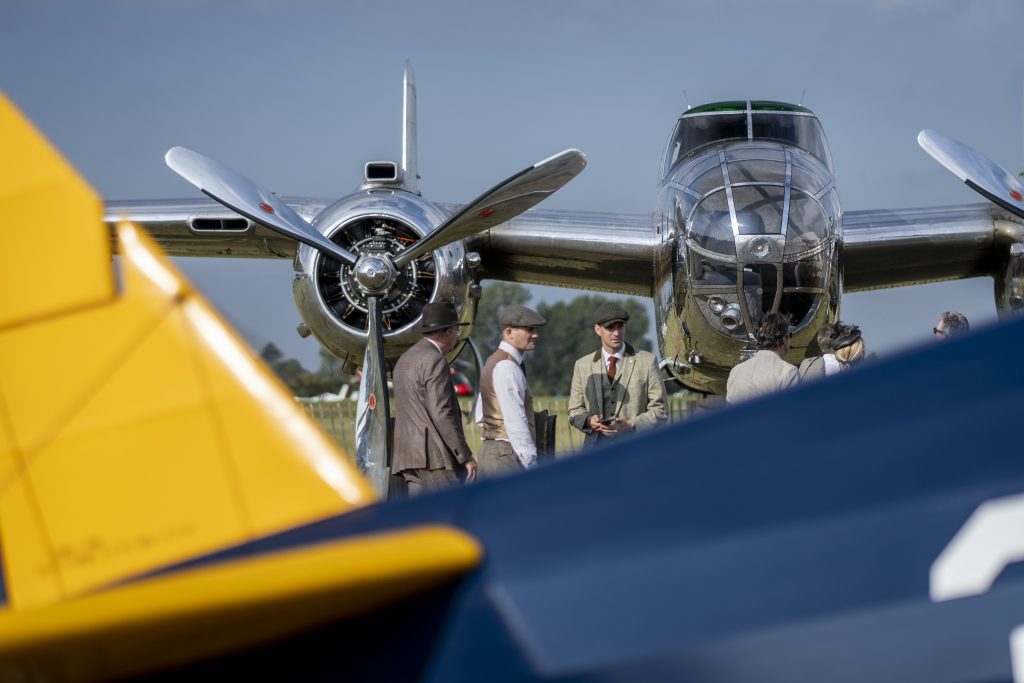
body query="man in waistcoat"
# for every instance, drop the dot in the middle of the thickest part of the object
(505, 408)
(617, 389)
(430, 444)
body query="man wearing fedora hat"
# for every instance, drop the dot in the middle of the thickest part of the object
(617, 389)
(430, 445)
(505, 409)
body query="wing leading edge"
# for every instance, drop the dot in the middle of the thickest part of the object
(894, 248)
(204, 227)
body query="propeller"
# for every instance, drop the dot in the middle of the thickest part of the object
(238, 193)
(373, 445)
(376, 272)
(503, 202)
(478, 364)
(981, 174)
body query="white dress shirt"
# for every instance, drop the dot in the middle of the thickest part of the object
(436, 345)
(510, 388)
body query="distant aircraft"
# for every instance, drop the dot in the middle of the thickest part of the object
(167, 512)
(748, 220)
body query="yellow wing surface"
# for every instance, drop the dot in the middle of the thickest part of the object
(199, 613)
(137, 431)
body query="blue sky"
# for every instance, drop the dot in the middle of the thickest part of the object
(297, 95)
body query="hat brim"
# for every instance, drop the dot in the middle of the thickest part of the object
(442, 326)
(603, 323)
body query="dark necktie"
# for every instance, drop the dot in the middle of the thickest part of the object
(612, 360)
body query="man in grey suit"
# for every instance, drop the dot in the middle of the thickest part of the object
(766, 371)
(617, 389)
(430, 444)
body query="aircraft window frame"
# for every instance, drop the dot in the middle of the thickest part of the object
(699, 238)
(809, 135)
(824, 237)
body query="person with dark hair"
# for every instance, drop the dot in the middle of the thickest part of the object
(767, 370)
(951, 324)
(826, 364)
(430, 445)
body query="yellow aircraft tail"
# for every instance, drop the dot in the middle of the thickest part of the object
(136, 429)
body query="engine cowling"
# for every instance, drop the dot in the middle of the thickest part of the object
(383, 222)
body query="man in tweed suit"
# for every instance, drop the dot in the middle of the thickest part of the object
(616, 389)
(766, 371)
(430, 444)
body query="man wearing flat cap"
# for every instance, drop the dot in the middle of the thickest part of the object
(505, 409)
(430, 444)
(617, 389)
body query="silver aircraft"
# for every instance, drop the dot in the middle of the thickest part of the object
(748, 220)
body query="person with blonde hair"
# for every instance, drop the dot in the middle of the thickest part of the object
(848, 345)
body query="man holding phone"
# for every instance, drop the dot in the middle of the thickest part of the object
(617, 389)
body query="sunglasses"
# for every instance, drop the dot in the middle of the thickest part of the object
(937, 331)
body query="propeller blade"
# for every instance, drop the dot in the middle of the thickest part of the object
(504, 201)
(477, 363)
(981, 174)
(373, 443)
(410, 171)
(238, 193)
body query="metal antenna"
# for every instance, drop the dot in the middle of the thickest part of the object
(687, 100)
(802, 96)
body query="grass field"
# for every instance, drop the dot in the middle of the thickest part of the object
(338, 418)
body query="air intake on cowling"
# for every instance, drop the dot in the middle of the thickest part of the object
(381, 171)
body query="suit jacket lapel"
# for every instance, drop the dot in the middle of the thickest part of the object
(625, 374)
(595, 389)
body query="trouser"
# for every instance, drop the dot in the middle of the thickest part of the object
(496, 458)
(425, 481)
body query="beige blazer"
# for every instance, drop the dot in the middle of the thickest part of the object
(811, 368)
(428, 421)
(636, 394)
(765, 372)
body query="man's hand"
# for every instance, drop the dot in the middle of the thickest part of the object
(470, 467)
(594, 422)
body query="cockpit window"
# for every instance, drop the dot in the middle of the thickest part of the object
(697, 131)
(792, 125)
(803, 131)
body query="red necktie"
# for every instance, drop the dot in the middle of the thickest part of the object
(612, 360)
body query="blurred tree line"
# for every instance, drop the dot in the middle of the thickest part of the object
(568, 334)
(328, 378)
